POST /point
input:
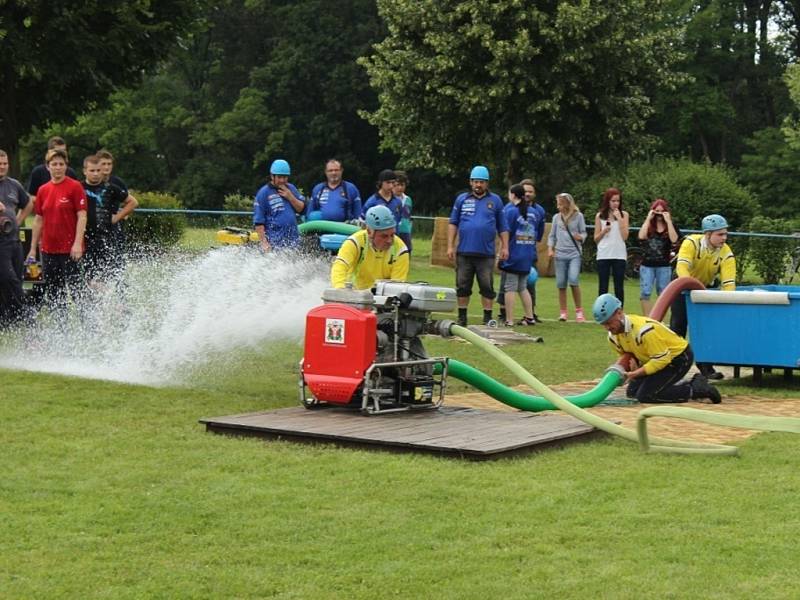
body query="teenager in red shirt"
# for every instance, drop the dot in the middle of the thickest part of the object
(59, 224)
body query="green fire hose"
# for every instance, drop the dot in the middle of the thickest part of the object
(575, 411)
(327, 227)
(651, 444)
(491, 387)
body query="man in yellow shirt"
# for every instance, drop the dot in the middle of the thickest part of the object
(372, 253)
(708, 258)
(664, 356)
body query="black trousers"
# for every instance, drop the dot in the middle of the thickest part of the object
(12, 298)
(61, 275)
(607, 267)
(663, 385)
(679, 323)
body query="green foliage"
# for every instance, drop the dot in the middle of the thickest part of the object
(520, 86)
(734, 87)
(771, 255)
(254, 81)
(60, 59)
(692, 190)
(155, 230)
(771, 170)
(238, 202)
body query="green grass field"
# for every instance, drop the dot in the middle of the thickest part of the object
(116, 491)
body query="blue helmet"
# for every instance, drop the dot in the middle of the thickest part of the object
(533, 276)
(280, 167)
(605, 306)
(479, 172)
(714, 223)
(380, 218)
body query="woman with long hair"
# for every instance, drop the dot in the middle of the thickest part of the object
(610, 234)
(657, 237)
(565, 244)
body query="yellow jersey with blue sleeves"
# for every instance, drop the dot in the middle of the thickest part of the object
(652, 343)
(698, 259)
(358, 261)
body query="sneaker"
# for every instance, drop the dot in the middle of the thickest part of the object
(562, 316)
(579, 318)
(526, 321)
(702, 389)
(462, 322)
(508, 324)
(536, 318)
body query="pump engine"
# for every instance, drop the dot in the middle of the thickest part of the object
(363, 348)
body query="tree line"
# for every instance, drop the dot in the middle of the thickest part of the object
(196, 98)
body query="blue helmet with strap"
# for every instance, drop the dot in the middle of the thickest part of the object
(713, 223)
(379, 218)
(605, 306)
(280, 167)
(479, 172)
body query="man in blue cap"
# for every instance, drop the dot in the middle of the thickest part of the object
(660, 357)
(372, 253)
(708, 258)
(276, 208)
(476, 219)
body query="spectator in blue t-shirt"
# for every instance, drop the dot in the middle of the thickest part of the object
(334, 198)
(523, 223)
(384, 196)
(276, 208)
(538, 211)
(476, 218)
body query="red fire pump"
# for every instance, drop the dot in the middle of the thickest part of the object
(363, 348)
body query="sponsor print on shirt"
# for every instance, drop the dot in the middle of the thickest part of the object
(276, 203)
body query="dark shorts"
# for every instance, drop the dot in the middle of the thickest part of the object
(469, 268)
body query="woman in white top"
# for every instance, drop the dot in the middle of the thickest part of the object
(610, 233)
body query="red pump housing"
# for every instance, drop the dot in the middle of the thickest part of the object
(340, 346)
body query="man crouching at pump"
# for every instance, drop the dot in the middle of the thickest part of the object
(372, 253)
(664, 356)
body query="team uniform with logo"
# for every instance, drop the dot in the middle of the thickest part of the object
(479, 220)
(342, 203)
(278, 216)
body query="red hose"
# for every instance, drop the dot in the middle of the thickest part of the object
(672, 291)
(665, 300)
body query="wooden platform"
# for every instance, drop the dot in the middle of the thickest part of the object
(451, 430)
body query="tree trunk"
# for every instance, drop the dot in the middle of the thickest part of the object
(513, 170)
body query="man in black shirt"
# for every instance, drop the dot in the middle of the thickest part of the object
(107, 205)
(40, 175)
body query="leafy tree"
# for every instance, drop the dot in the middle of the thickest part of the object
(60, 58)
(521, 86)
(771, 169)
(693, 191)
(734, 86)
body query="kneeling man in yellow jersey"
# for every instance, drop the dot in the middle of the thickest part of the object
(664, 356)
(372, 253)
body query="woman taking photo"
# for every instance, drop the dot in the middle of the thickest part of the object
(657, 236)
(610, 234)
